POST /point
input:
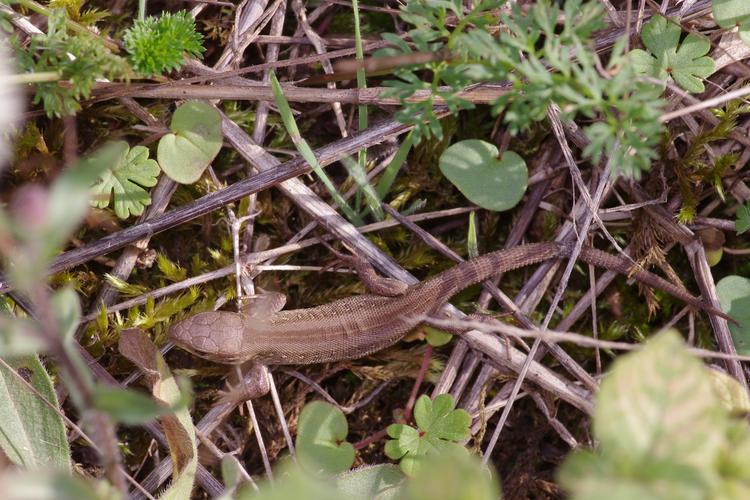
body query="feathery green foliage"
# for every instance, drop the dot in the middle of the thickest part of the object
(160, 44)
(534, 55)
(80, 59)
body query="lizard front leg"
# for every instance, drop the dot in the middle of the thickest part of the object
(245, 382)
(262, 305)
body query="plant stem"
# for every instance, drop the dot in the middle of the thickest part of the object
(20, 79)
(141, 10)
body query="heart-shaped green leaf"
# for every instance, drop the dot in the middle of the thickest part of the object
(734, 296)
(321, 439)
(493, 183)
(196, 141)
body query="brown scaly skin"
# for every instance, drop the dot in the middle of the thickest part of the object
(356, 326)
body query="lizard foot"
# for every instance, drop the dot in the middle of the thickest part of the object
(252, 385)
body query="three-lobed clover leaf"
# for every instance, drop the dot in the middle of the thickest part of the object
(686, 62)
(730, 14)
(440, 426)
(129, 171)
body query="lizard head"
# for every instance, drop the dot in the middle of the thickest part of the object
(216, 336)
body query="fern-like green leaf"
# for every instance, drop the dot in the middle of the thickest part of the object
(80, 59)
(533, 53)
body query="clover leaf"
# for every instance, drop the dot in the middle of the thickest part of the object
(196, 141)
(128, 172)
(730, 14)
(440, 426)
(321, 439)
(685, 62)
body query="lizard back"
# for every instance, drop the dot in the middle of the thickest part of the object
(357, 326)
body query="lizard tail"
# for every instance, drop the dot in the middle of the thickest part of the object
(623, 266)
(481, 268)
(478, 269)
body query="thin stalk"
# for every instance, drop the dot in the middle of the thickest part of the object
(22, 78)
(306, 152)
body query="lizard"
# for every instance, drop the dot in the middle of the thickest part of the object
(354, 327)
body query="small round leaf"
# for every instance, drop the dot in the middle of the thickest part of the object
(380, 482)
(196, 141)
(734, 296)
(493, 183)
(321, 439)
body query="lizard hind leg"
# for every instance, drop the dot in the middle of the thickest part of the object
(376, 284)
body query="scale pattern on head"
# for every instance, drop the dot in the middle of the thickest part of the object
(216, 336)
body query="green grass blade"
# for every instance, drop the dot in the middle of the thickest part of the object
(389, 175)
(359, 176)
(361, 82)
(472, 242)
(307, 153)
